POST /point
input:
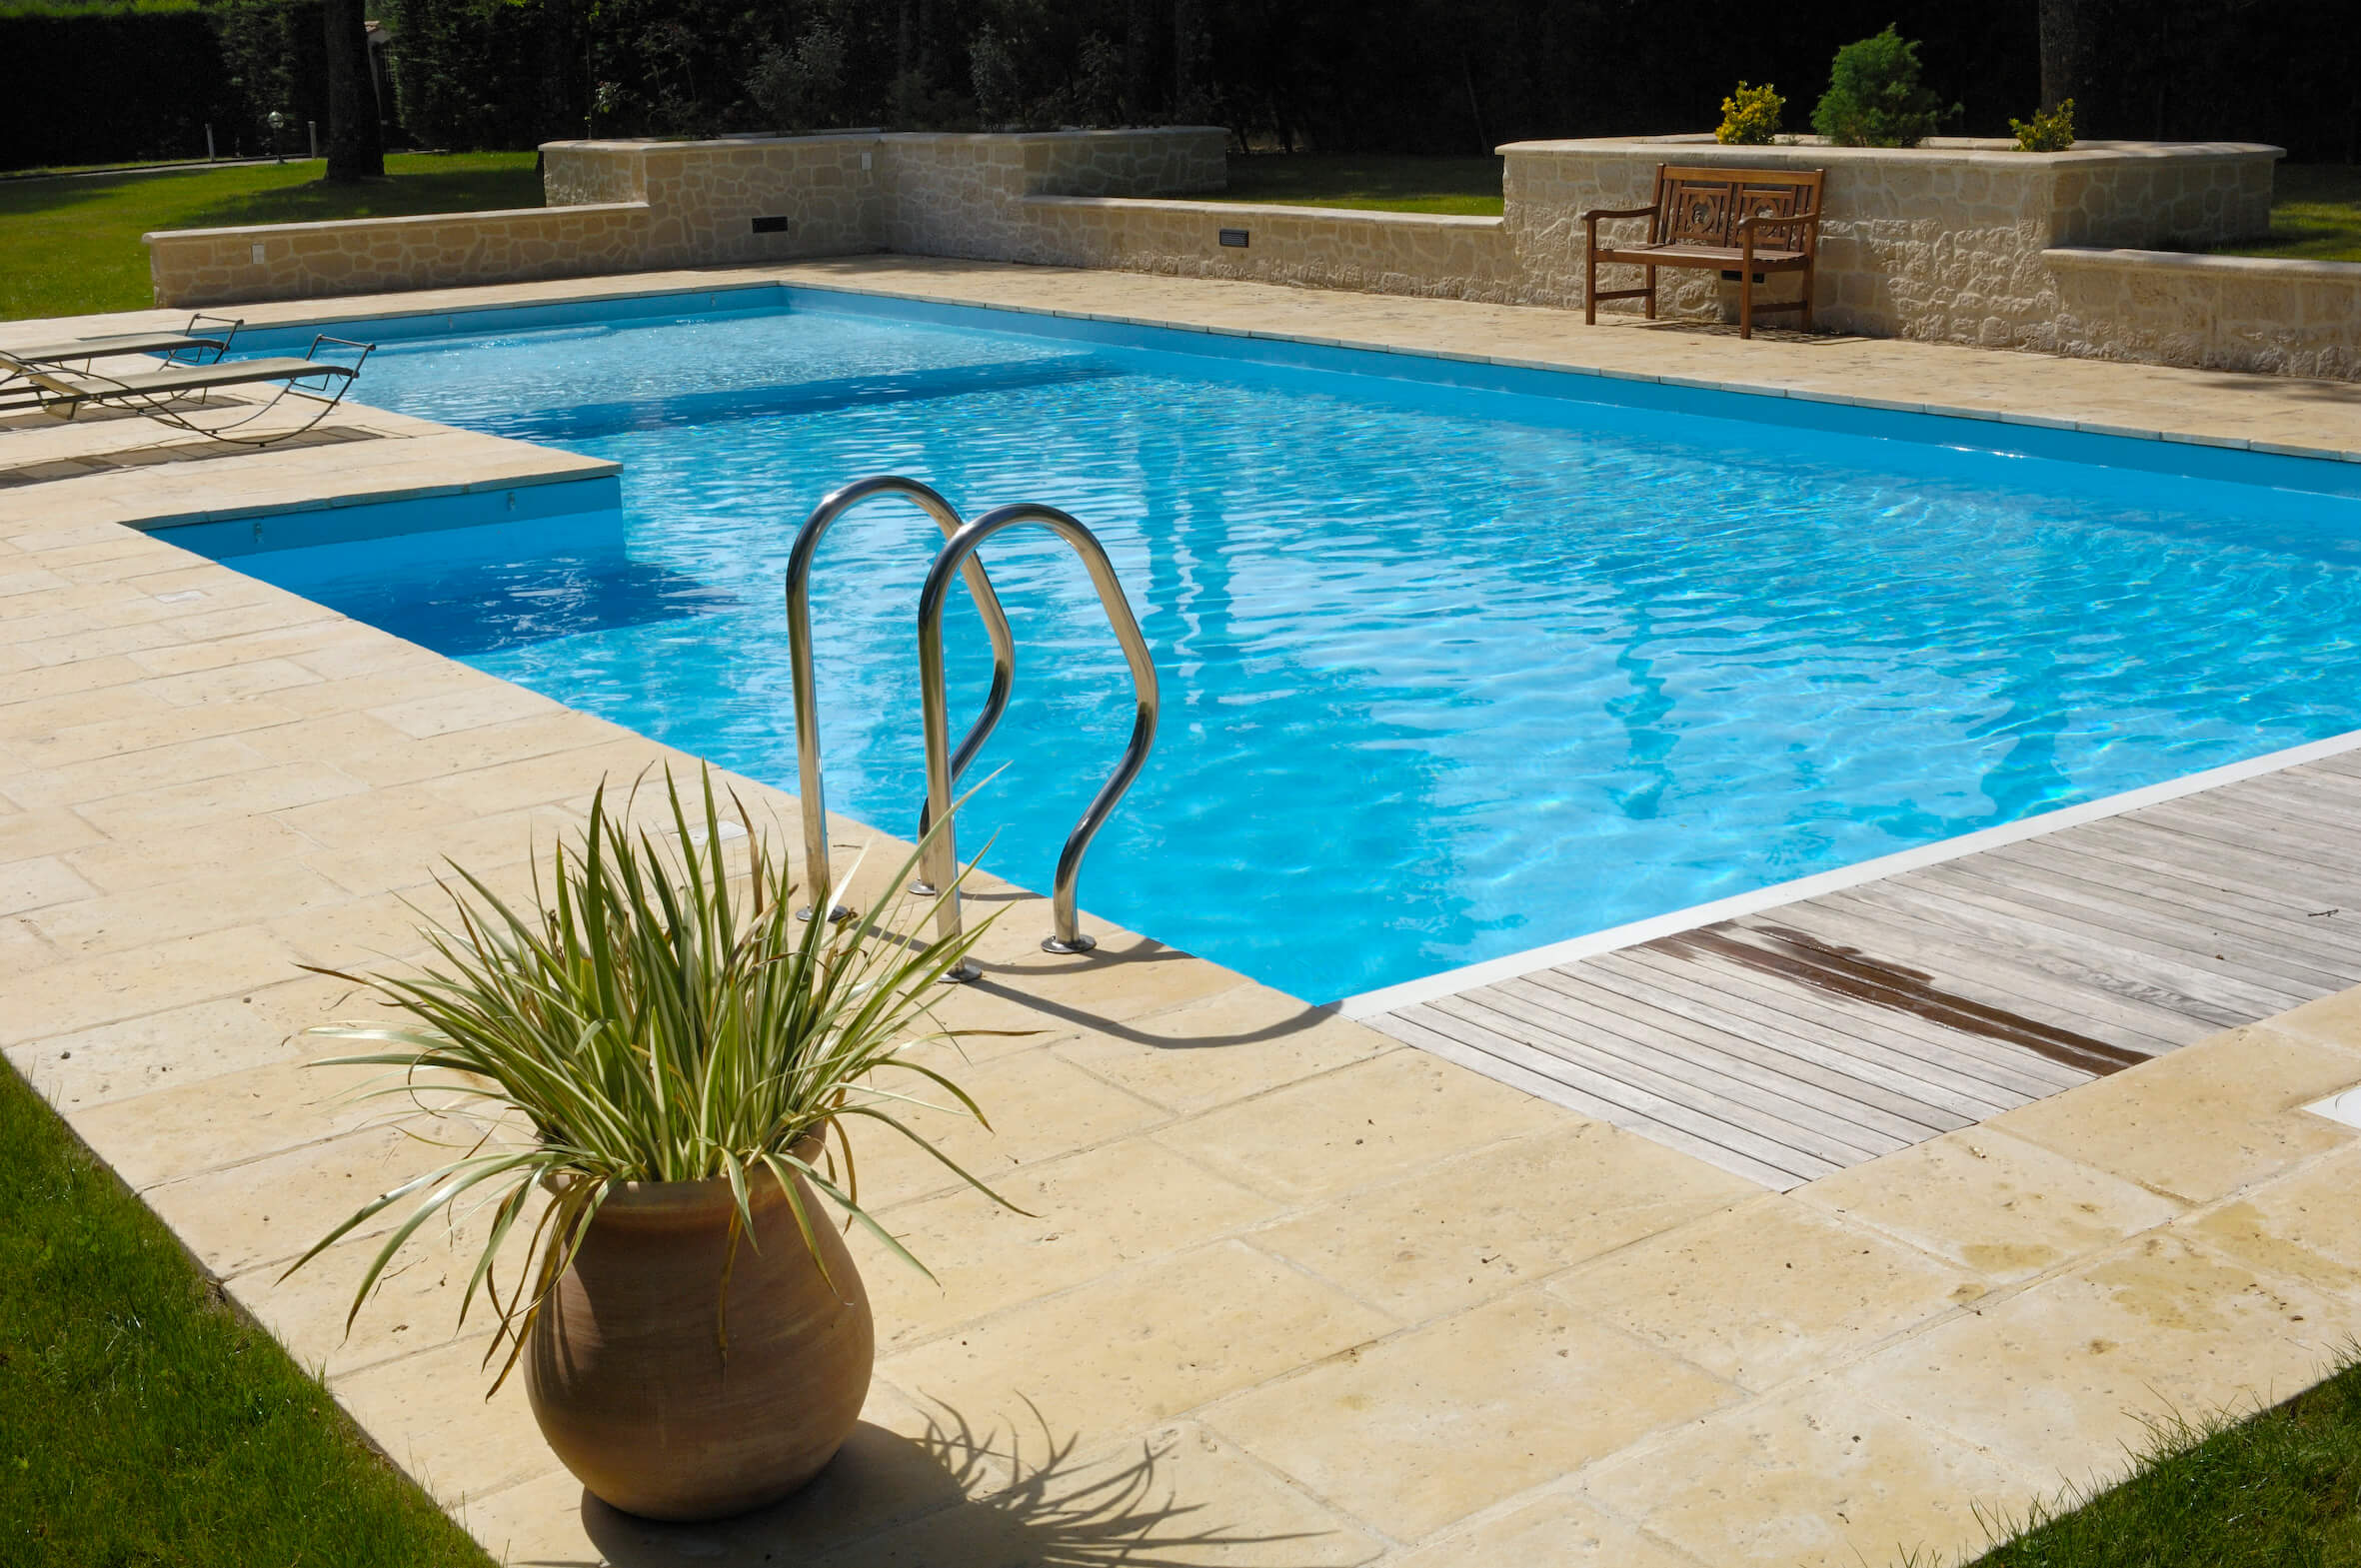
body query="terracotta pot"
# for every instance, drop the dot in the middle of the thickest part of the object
(628, 1378)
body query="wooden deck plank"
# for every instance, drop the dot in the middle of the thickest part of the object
(1611, 1055)
(1977, 1065)
(1860, 1080)
(2264, 880)
(1848, 1101)
(1818, 1033)
(2260, 955)
(2227, 824)
(2016, 983)
(2309, 935)
(1640, 1107)
(2142, 960)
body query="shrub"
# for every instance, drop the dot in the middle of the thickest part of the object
(2050, 131)
(1750, 116)
(798, 90)
(992, 71)
(1099, 82)
(1874, 98)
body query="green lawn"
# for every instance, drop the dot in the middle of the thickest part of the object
(2315, 214)
(1465, 186)
(142, 1423)
(71, 244)
(2279, 1490)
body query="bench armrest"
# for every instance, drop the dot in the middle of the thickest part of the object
(1623, 212)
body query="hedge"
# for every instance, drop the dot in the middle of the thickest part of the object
(116, 84)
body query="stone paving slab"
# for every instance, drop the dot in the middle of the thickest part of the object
(1297, 1294)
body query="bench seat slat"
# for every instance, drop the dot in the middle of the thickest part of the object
(1701, 220)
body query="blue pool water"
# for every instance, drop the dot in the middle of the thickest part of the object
(1450, 671)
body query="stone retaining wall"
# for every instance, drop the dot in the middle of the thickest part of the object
(1940, 242)
(1958, 240)
(2290, 318)
(624, 206)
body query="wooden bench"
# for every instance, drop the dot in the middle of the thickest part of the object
(1750, 221)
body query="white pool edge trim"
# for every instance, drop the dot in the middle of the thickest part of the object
(1389, 998)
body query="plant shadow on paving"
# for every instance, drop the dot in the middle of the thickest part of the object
(955, 1496)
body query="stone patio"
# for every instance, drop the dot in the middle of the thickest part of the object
(1297, 1293)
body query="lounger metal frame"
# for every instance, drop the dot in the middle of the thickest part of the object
(63, 399)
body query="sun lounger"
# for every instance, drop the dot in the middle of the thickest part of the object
(165, 394)
(204, 340)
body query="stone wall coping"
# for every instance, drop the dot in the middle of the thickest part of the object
(1404, 219)
(2258, 267)
(340, 225)
(657, 144)
(1986, 153)
(869, 134)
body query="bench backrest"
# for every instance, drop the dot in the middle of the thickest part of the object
(1697, 206)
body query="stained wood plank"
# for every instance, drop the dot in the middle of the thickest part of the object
(1975, 1064)
(1856, 1073)
(1818, 1033)
(2136, 963)
(2020, 984)
(1849, 1107)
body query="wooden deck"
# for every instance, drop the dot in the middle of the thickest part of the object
(1817, 1034)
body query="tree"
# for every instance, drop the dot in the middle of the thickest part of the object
(2060, 51)
(356, 142)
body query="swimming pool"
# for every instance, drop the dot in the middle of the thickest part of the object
(1457, 659)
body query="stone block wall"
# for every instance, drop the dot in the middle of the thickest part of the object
(1382, 253)
(1941, 242)
(373, 254)
(2290, 318)
(1956, 241)
(965, 195)
(622, 206)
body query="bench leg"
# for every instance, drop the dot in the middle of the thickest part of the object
(1807, 292)
(1590, 290)
(1745, 304)
(1651, 294)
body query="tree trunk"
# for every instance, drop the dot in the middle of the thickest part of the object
(356, 142)
(2061, 66)
(1138, 89)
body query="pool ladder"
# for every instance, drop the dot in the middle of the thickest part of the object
(958, 558)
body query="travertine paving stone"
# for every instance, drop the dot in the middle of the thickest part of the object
(1476, 1226)
(1767, 1290)
(1139, 1345)
(1358, 1124)
(2206, 1119)
(1819, 1477)
(1992, 1203)
(2066, 1377)
(1558, 1527)
(1430, 1426)
(1291, 1293)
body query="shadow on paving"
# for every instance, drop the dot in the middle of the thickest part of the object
(953, 1497)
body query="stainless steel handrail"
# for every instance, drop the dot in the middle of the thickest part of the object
(798, 646)
(942, 855)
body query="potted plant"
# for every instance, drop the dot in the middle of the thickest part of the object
(672, 1060)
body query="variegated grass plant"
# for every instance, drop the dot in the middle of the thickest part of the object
(656, 1018)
